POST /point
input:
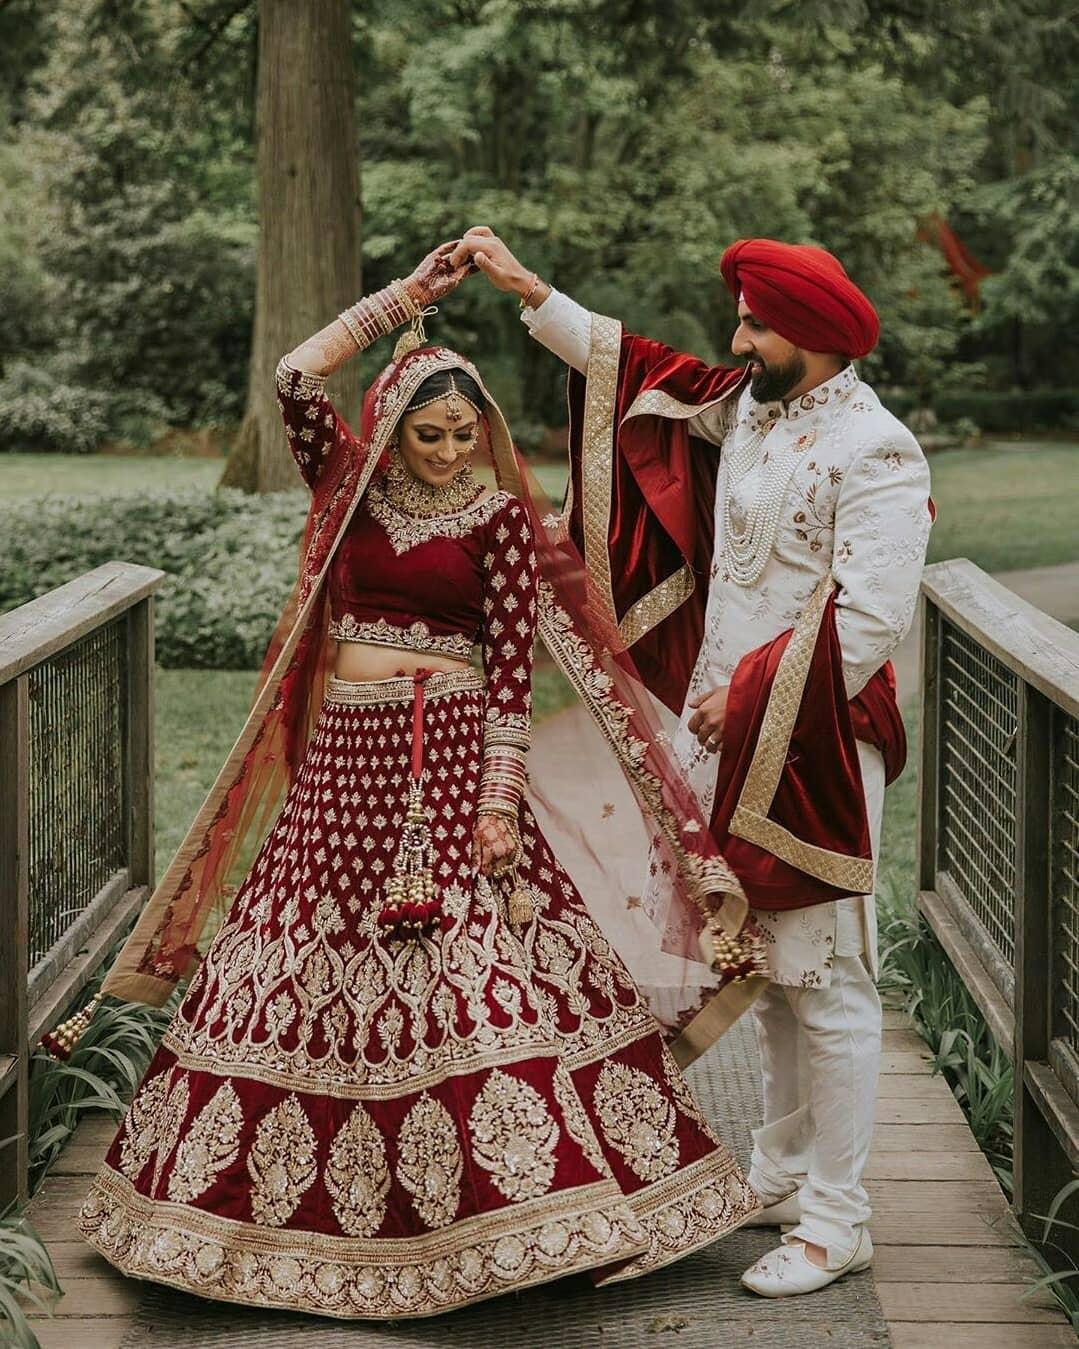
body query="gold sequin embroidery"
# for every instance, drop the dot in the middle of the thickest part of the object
(281, 1163)
(357, 1176)
(514, 1136)
(209, 1145)
(637, 1120)
(430, 1161)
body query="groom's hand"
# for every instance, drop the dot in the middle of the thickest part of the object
(706, 723)
(483, 247)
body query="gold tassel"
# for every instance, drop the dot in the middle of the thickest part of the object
(414, 335)
(521, 908)
(60, 1042)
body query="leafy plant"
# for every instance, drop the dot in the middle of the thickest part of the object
(24, 1262)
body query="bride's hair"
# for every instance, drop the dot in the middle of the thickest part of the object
(440, 383)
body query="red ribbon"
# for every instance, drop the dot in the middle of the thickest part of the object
(418, 681)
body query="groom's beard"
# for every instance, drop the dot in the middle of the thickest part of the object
(776, 381)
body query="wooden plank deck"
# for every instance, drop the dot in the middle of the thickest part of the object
(951, 1268)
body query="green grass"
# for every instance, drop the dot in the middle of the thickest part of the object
(1006, 506)
(30, 475)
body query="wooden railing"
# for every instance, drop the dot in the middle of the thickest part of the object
(76, 808)
(999, 846)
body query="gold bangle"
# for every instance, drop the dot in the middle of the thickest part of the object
(526, 298)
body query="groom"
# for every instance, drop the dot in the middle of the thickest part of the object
(805, 506)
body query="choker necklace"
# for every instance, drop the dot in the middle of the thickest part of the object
(413, 496)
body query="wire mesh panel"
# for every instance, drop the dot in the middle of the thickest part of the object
(978, 731)
(77, 791)
(1065, 826)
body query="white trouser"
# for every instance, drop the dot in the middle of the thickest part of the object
(820, 1057)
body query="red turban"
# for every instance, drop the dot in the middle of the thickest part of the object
(803, 294)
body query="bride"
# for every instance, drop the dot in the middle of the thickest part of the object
(409, 1071)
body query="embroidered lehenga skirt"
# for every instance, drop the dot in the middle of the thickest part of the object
(361, 1128)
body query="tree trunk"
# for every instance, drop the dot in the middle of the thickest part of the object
(309, 217)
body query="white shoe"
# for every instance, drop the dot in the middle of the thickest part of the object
(783, 1213)
(786, 1271)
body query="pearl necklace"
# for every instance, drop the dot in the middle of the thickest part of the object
(747, 550)
(425, 500)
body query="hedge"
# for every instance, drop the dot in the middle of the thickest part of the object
(997, 410)
(230, 559)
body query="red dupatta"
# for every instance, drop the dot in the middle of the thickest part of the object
(196, 891)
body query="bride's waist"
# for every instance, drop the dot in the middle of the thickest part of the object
(361, 662)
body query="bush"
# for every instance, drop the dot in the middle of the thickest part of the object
(231, 560)
(995, 410)
(40, 412)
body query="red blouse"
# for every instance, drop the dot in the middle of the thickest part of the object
(437, 585)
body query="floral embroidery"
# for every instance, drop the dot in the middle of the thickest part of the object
(357, 1177)
(416, 636)
(636, 1120)
(575, 1118)
(210, 1144)
(430, 1161)
(514, 1136)
(409, 531)
(281, 1163)
(173, 1114)
(141, 1125)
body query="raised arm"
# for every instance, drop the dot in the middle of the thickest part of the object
(311, 421)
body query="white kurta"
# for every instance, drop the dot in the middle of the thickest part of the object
(852, 490)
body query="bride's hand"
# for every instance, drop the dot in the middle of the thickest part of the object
(437, 275)
(494, 844)
(483, 247)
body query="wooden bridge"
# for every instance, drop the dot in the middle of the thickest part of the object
(998, 851)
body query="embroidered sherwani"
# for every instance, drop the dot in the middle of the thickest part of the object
(851, 488)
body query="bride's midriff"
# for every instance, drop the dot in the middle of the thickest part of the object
(359, 662)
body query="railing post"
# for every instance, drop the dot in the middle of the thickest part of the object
(14, 935)
(140, 742)
(929, 744)
(1039, 1169)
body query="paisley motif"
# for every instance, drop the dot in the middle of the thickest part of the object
(636, 1120)
(514, 1136)
(281, 1163)
(210, 1144)
(357, 1176)
(430, 1161)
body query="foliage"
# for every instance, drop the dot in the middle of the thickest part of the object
(617, 146)
(230, 559)
(24, 1262)
(103, 1071)
(136, 293)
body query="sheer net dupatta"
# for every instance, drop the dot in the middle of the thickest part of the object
(187, 907)
(686, 942)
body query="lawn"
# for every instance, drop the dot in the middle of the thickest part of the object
(31, 475)
(1004, 506)
(1007, 506)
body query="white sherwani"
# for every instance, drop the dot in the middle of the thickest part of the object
(851, 487)
(843, 488)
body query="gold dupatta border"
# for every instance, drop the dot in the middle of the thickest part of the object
(750, 820)
(597, 470)
(125, 980)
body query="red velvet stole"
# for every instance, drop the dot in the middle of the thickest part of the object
(662, 501)
(661, 519)
(819, 800)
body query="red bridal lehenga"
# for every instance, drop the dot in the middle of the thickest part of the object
(351, 1118)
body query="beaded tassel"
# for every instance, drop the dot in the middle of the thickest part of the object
(414, 908)
(738, 958)
(520, 908)
(60, 1042)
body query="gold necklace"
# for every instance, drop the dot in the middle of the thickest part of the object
(425, 500)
